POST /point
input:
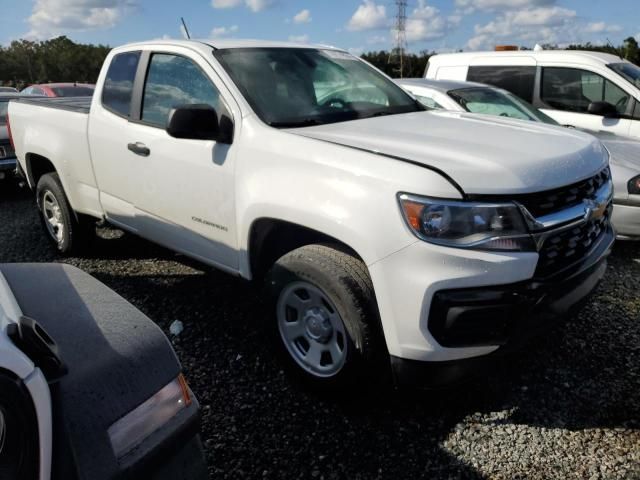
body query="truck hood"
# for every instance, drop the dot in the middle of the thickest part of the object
(482, 154)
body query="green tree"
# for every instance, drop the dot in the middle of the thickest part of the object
(56, 60)
(631, 50)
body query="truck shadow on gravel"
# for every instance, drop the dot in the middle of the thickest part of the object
(582, 375)
(258, 423)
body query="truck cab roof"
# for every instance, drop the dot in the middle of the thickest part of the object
(564, 55)
(220, 44)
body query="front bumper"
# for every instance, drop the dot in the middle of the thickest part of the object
(466, 306)
(521, 311)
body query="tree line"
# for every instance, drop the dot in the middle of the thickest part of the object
(60, 59)
(25, 62)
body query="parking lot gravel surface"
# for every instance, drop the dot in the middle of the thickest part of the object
(567, 407)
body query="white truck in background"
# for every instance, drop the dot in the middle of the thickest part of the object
(591, 90)
(390, 238)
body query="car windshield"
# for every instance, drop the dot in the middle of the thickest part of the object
(628, 71)
(501, 103)
(296, 87)
(4, 106)
(72, 91)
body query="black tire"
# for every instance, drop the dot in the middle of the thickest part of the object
(76, 232)
(19, 457)
(345, 281)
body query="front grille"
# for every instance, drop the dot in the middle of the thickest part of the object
(562, 249)
(567, 247)
(544, 203)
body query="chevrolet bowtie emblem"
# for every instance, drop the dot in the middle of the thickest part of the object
(594, 210)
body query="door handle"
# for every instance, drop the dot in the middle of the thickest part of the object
(139, 148)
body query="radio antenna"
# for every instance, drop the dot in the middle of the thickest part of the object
(186, 30)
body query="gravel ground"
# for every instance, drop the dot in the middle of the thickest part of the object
(567, 407)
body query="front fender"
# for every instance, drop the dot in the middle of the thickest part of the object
(347, 194)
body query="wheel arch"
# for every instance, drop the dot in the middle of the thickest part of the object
(271, 238)
(37, 166)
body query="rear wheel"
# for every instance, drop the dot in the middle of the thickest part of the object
(326, 318)
(18, 432)
(64, 230)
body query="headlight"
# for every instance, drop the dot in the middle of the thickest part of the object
(634, 185)
(148, 417)
(485, 226)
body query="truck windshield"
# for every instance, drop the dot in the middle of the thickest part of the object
(297, 87)
(491, 101)
(628, 71)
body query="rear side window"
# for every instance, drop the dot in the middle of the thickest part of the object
(118, 86)
(573, 89)
(172, 81)
(517, 80)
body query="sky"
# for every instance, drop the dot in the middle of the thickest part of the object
(356, 25)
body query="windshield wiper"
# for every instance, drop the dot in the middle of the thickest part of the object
(306, 122)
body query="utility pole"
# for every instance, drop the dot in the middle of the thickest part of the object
(400, 28)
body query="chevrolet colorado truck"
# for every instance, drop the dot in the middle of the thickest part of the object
(90, 388)
(390, 239)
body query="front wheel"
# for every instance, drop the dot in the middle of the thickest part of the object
(66, 232)
(326, 317)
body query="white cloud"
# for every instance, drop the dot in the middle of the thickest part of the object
(299, 38)
(54, 17)
(425, 23)
(469, 6)
(302, 17)
(253, 5)
(226, 3)
(368, 16)
(219, 32)
(533, 25)
(259, 5)
(602, 27)
(356, 51)
(550, 24)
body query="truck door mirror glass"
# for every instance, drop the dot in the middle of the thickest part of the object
(604, 109)
(199, 122)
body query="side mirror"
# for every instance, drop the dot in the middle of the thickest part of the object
(199, 122)
(604, 109)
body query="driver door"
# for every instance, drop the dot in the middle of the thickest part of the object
(185, 195)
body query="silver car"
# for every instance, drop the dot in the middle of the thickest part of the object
(483, 99)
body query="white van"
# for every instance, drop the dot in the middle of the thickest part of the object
(591, 90)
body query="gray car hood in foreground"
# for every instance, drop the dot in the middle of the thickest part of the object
(484, 155)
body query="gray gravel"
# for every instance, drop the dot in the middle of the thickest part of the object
(567, 407)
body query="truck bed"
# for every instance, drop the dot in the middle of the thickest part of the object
(74, 104)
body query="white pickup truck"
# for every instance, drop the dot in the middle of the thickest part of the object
(390, 238)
